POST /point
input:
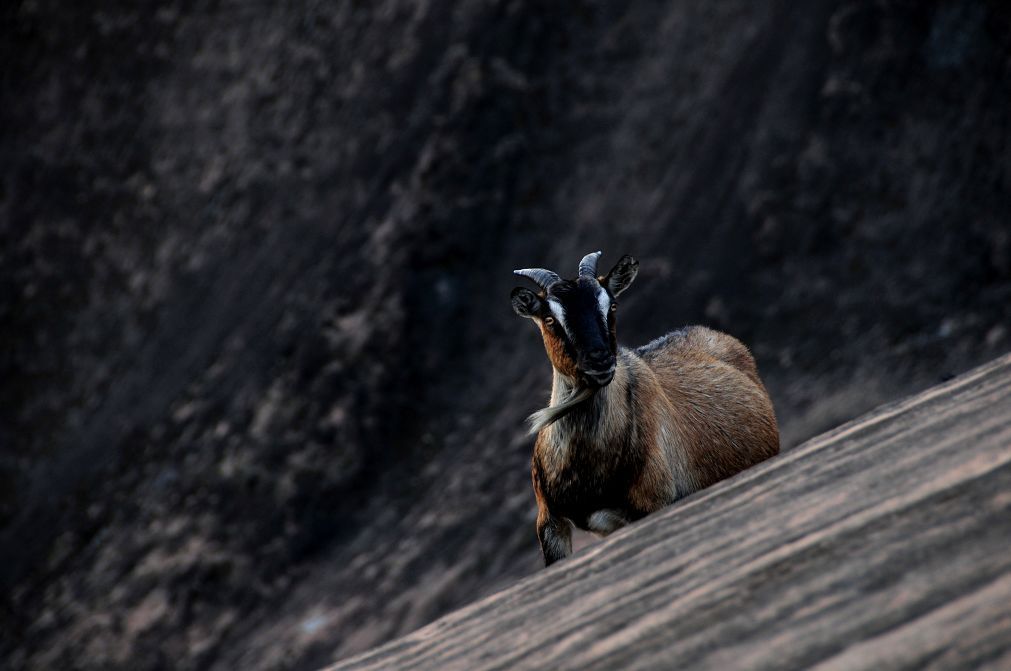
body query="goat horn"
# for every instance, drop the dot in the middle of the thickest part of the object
(543, 278)
(588, 266)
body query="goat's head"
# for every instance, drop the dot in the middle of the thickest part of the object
(577, 317)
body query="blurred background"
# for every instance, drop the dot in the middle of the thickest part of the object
(261, 389)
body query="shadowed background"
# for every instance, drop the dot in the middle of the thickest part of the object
(261, 389)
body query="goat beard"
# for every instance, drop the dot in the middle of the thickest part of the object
(548, 416)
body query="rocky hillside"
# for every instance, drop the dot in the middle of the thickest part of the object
(261, 391)
(874, 546)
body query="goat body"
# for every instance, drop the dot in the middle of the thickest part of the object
(629, 432)
(681, 413)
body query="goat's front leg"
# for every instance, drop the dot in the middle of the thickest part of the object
(555, 535)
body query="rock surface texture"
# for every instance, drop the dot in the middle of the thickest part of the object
(261, 390)
(879, 545)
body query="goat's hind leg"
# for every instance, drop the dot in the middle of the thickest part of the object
(603, 522)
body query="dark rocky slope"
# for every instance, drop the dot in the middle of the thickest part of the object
(262, 393)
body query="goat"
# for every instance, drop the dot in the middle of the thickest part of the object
(631, 431)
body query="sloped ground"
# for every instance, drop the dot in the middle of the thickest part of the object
(262, 394)
(880, 545)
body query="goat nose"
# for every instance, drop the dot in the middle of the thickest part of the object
(598, 367)
(600, 376)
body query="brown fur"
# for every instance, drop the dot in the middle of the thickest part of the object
(727, 422)
(680, 415)
(555, 348)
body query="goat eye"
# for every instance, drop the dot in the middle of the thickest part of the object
(549, 321)
(614, 307)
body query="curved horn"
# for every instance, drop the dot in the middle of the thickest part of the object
(543, 278)
(588, 266)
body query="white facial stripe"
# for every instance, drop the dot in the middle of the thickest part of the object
(604, 301)
(559, 312)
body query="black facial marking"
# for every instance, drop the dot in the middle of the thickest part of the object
(587, 328)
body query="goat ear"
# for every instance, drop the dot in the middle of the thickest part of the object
(621, 276)
(525, 302)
